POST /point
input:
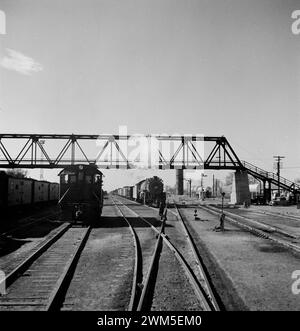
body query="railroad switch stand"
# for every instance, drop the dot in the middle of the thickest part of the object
(196, 214)
(221, 227)
(222, 220)
(164, 219)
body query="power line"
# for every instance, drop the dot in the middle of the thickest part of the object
(293, 167)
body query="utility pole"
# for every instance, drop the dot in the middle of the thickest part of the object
(190, 185)
(277, 159)
(202, 189)
(213, 186)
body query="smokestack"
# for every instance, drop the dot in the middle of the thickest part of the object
(179, 181)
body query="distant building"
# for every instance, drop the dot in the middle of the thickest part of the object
(254, 188)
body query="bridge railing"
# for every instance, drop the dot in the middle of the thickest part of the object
(270, 175)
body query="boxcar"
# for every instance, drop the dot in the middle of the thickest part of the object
(53, 191)
(3, 189)
(19, 191)
(14, 191)
(128, 192)
(134, 192)
(40, 191)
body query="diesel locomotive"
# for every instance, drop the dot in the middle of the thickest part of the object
(81, 194)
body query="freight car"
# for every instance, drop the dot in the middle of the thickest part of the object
(41, 189)
(137, 191)
(121, 191)
(128, 192)
(17, 192)
(53, 191)
(81, 195)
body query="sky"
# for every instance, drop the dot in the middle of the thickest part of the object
(212, 67)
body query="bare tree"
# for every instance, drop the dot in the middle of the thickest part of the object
(18, 173)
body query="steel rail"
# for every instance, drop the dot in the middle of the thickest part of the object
(25, 225)
(199, 263)
(13, 275)
(154, 258)
(62, 283)
(261, 224)
(267, 212)
(134, 289)
(253, 230)
(198, 289)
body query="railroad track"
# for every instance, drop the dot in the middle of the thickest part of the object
(31, 221)
(201, 268)
(40, 281)
(258, 228)
(258, 223)
(140, 288)
(137, 273)
(284, 215)
(201, 287)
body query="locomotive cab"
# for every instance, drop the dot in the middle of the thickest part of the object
(81, 195)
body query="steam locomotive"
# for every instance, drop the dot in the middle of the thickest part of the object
(147, 191)
(81, 194)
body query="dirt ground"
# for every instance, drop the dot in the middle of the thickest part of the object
(259, 270)
(103, 276)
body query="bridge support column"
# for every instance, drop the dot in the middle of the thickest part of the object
(267, 191)
(297, 199)
(240, 188)
(179, 181)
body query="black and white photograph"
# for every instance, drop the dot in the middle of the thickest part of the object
(149, 159)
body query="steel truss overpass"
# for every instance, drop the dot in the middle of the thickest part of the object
(111, 151)
(51, 151)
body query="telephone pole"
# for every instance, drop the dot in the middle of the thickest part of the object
(278, 158)
(202, 188)
(190, 186)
